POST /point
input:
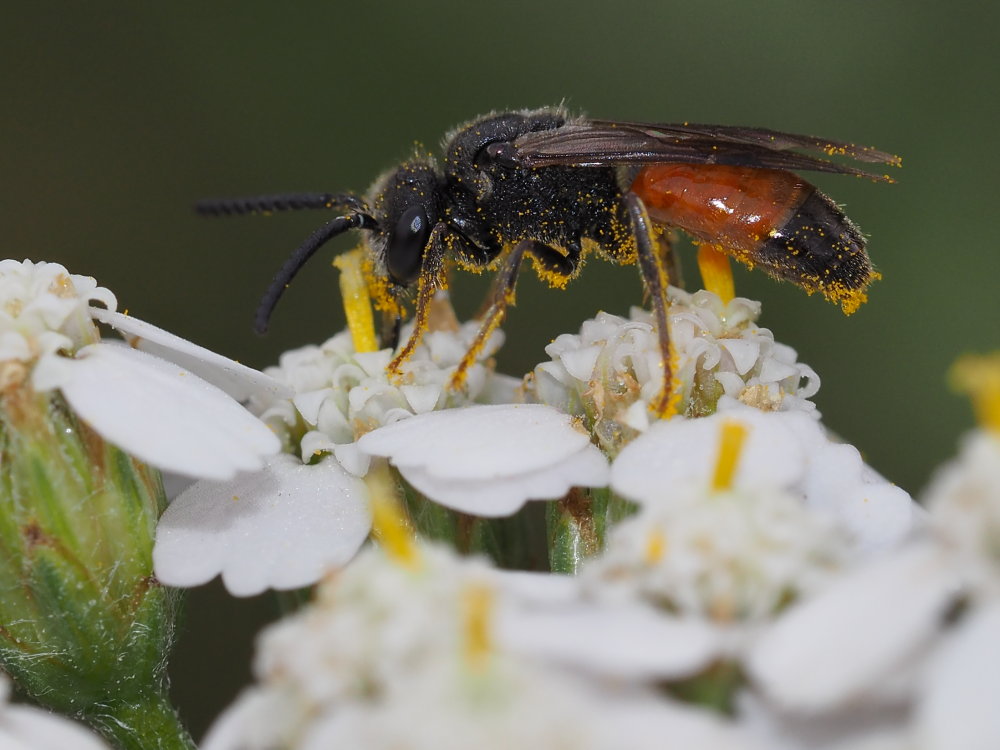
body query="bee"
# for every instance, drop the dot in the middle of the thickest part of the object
(555, 188)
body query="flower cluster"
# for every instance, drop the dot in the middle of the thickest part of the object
(741, 578)
(611, 371)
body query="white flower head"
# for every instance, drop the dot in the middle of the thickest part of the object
(788, 452)
(486, 460)
(157, 411)
(394, 655)
(612, 371)
(733, 556)
(339, 394)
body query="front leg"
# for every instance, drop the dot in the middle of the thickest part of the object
(654, 276)
(431, 278)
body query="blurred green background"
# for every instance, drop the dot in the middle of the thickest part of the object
(117, 116)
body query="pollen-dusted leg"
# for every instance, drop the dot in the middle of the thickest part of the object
(432, 278)
(654, 275)
(501, 297)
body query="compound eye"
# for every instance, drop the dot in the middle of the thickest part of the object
(406, 248)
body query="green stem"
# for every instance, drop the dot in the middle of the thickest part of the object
(147, 723)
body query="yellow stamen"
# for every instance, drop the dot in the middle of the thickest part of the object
(656, 547)
(357, 302)
(979, 377)
(716, 272)
(730, 445)
(477, 614)
(390, 527)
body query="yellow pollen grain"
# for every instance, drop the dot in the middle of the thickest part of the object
(656, 547)
(390, 527)
(731, 439)
(716, 272)
(357, 302)
(62, 286)
(477, 616)
(978, 376)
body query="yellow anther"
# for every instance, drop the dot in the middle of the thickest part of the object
(357, 303)
(477, 615)
(656, 547)
(733, 434)
(390, 526)
(716, 272)
(979, 377)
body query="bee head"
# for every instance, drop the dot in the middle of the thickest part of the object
(406, 205)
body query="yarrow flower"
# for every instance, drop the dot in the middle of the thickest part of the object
(611, 372)
(82, 421)
(914, 633)
(155, 410)
(415, 654)
(310, 511)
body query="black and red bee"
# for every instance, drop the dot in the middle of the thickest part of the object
(553, 187)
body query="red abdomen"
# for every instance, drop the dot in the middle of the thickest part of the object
(735, 207)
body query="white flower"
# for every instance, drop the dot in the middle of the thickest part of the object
(488, 460)
(338, 394)
(416, 656)
(155, 410)
(787, 451)
(28, 728)
(882, 634)
(483, 460)
(612, 370)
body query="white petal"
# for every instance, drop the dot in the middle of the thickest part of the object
(478, 442)
(280, 528)
(849, 639)
(35, 729)
(877, 514)
(959, 709)
(239, 381)
(309, 404)
(502, 496)
(632, 642)
(421, 398)
(743, 352)
(164, 415)
(683, 451)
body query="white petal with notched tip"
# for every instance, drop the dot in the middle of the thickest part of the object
(279, 528)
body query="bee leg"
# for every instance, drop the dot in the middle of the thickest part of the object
(495, 308)
(655, 277)
(431, 279)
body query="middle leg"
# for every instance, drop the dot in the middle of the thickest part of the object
(655, 277)
(502, 296)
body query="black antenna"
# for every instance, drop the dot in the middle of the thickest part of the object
(265, 204)
(298, 259)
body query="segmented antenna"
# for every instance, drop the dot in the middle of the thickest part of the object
(298, 259)
(265, 204)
